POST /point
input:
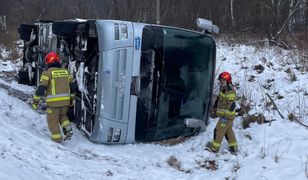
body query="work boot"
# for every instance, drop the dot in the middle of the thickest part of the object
(68, 132)
(233, 150)
(209, 147)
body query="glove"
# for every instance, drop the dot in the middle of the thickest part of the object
(72, 103)
(72, 100)
(34, 105)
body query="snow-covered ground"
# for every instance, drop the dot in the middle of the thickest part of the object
(276, 150)
(4, 53)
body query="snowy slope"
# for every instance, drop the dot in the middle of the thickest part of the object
(276, 150)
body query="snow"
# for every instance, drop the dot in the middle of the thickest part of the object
(4, 53)
(276, 150)
(80, 79)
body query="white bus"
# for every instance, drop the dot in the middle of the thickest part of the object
(136, 82)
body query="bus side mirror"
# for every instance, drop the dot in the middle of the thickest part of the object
(207, 25)
(195, 123)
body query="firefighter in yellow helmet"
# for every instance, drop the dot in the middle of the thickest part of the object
(225, 109)
(55, 85)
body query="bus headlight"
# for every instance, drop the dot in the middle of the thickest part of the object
(116, 135)
(116, 32)
(124, 33)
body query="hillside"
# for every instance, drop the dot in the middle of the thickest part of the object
(273, 147)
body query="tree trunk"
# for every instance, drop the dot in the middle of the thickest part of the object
(22, 7)
(306, 20)
(157, 11)
(232, 13)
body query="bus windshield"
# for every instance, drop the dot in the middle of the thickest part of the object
(176, 74)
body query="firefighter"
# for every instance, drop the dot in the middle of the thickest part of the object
(225, 109)
(55, 86)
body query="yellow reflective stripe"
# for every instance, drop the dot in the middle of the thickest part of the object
(56, 135)
(231, 113)
(65, 123)
(35, 97)
(59, 73)
(58, 95)
(230, 96)
(43, 77)
(232, 144)
(216, 145)
(219, 112)
(58, 99)
(222, 94)
(70, 78)
(53, 87)
(223, 112)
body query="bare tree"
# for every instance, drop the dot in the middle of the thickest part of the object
(232, 12)
(306, 19)
(294, 7)
(273, 19)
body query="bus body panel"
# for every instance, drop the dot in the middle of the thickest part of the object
(138, 27)
(115, 72)
(127, 81)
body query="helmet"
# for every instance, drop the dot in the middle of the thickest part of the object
(51, 58)
(226, 76)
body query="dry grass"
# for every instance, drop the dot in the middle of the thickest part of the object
(258, 68)
(173, 161)
(276, 158)
(248, 119)
(108, 173)
(291, 74)
(306, 168)
(210, 165)
(303, 60)
(244, 106)
(176, 164)
(248, 136)
(292, 117)
(236, 167)
(15, 51)
(172, 142)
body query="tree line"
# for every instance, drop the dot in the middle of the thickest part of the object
(273, 19)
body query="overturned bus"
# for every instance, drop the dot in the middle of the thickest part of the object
(136, 82)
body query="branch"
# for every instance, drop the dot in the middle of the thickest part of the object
(280, 44)
(264, 3)
(287, 20)
(301, 123)
(93, 5)
(164, 15)
(260, 41)
(274, 105)
(298, 121)
(42, 12)
(306, 169)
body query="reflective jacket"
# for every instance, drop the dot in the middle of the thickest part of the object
(55, 85)
(226, 102)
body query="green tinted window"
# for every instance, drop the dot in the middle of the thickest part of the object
(188, 68)
(176, 81)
